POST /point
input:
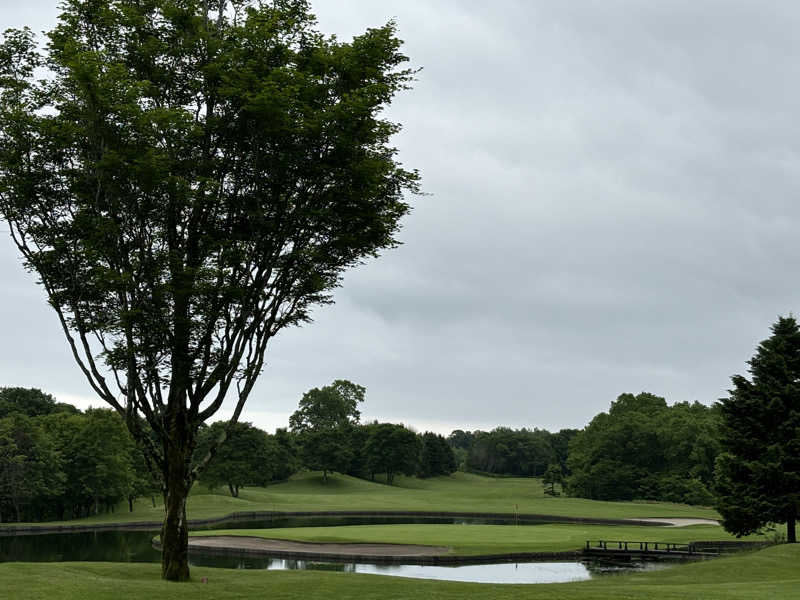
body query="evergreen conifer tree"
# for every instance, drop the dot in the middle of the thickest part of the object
(758, 474)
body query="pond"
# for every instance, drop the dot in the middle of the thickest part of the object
(136, 546)
(526, 572)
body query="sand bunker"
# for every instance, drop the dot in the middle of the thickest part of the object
(681, 522)
(263, 545)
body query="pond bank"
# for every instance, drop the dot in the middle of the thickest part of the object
(410, 554)
(34, 529)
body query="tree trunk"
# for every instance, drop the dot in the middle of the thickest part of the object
(791, 533)
(175, 530)
(234, 490)
(130, 503)
(324, 476)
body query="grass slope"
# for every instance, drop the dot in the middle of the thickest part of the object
(770, 573)
(460, 492)
(487, 539)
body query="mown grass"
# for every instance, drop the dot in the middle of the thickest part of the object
(487, 539)
(460, 492)
(770, 573)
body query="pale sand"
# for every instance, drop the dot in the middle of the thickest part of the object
(255, 543)
(681, 522)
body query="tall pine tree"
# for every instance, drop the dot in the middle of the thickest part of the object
(758, 475)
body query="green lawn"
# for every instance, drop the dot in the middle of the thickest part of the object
(487, 539)
(770, 573)
(459, 492)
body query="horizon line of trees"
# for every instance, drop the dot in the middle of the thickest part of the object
(504, 451)
(58, 462)
(330, 437)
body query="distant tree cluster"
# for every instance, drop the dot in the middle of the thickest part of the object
(324, 423)
(512, 452)
(330, 437)
(247, 457)
(57, 462)
(437, 457)
(325, 435)
(391, 449)
(643, 449)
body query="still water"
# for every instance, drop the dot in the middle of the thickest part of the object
(136, 546)
(530, 572)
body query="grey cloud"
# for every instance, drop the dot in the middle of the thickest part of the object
(613, 208)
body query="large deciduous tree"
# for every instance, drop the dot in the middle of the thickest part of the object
(247, 457)
(189, 178)
(328, 407)
(758, 474)
(436, 457)
(324, 423)
(392, 449)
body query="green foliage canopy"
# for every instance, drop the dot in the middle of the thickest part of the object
(31, 402)
(325, 422)
(330, 407)
(392, 449)
(518, 452)
(643, 449)
(436, 457)
(30, 466)
(248, 456)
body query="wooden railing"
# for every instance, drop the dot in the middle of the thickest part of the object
(628, 546)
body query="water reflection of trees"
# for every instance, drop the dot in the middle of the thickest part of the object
(602, 567)
(106, 546)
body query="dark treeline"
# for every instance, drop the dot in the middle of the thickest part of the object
(640, 449)
(329, 437)
(252, 457)
(512, 452)
(57, 462)
(248, 457)
(643, 449)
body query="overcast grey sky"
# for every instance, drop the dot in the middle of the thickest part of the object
(614, 208)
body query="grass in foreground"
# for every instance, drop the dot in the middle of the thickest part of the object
(487, 539)
(460, 492)
(770, 573)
